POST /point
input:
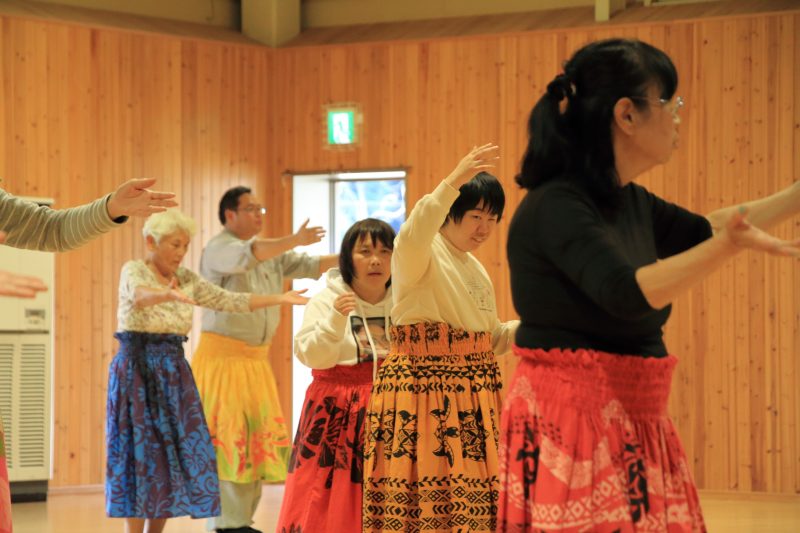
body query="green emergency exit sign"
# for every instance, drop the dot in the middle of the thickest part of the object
(342, 127)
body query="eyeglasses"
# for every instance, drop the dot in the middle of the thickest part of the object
(678, 104)
(253, 208)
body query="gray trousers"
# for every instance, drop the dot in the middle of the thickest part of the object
(239, 502)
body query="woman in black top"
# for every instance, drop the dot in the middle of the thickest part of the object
(595, 260)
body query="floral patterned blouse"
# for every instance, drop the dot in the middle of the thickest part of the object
(170, 317)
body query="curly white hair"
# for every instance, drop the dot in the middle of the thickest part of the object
(168, 222)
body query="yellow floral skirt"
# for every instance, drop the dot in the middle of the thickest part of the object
(242, 408)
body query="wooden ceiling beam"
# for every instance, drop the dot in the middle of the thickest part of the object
(605, 9)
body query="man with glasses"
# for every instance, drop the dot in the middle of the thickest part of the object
(231, 365)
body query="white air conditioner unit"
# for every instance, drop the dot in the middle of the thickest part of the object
(26, 362)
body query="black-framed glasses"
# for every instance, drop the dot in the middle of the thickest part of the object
(253, 209)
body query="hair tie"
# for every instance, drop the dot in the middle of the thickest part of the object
(561, 87)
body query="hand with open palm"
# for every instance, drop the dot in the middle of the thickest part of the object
(305, 235)
(479, 159)
(134, 199)
(744, 235)
(16, 285)
(294, 298)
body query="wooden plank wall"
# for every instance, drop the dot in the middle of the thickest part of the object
(84, 109)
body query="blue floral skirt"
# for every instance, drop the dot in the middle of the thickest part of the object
(160, 460)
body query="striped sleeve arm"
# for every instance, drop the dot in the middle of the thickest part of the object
(41, 228)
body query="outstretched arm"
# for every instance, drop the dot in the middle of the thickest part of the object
(212, 296)
(763, 213)
(264, 248)
(16, 285)
(134, 199)
(326, 262)
(661, 282)
(55, 230)
(257, 301)
(148, 296)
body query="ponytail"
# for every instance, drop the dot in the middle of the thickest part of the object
(550, 143)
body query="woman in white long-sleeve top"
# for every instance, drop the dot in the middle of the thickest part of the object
(343, 336)
(432, 422)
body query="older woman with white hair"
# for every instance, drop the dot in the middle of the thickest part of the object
(160, 461)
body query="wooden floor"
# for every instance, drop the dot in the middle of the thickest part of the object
(83, 513)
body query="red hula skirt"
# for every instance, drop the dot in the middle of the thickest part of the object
(326, 468)
(587, 445)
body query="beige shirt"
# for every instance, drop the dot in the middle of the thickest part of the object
(433, 281)
(228, 262)
(170, 317)
(40, 228)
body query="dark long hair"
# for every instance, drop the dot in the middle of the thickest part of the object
(576, 144)
(378, 230)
